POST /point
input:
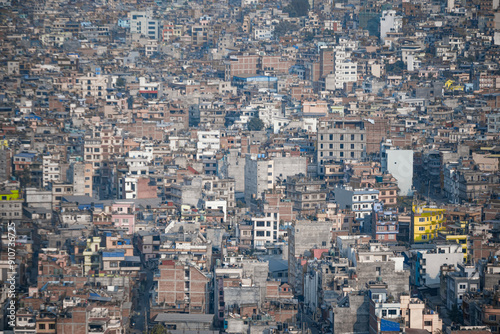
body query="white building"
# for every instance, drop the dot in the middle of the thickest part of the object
(265, 229)
(345, 72)
(359, 201)
(207, 141)
(92, 85)
(262, 33)
(51, 170)
(389, 22)
(400, 164)
(141, 23)
(427, 262)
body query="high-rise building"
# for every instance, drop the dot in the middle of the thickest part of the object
(340, 140)
(400, 164)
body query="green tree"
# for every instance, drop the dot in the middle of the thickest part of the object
(159, 329)
(255, 124)
(396, 68)
(284, 28)
(297, 8)
(308, 36)
(120, 82)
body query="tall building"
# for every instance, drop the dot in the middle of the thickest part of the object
(262, 172)
(359, 201)
(305, 235)
(142, 23)
(326, 61)
(389, 23)
(426, 223)
(340, 140)
(182, 288)
(400, 164)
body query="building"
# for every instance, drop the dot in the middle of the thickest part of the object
(426, 223)
(340, 140)
(141, 23)
(181, 289)
(11, 205)
(400, 164)
(389, 23)
(359, 201)
(427, 262)
(307, 195)
(265, 229)
(385, 225)
(303, 236)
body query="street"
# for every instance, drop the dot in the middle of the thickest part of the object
(142, 318)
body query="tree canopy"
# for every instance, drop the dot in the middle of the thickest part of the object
(284, 28)
(255, 124)
(297, 8)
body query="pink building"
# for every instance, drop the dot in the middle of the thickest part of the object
(123, 215)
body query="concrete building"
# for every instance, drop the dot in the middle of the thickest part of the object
(400, 164)
(141, 23)
(11, 205)
(426, 222)
(80, 174)
(464, 280)
(340, 140)
(385, 226)
(389, 23)
(182, 288)
(493, 122)
(305, 235)
(259, 176)
(307, 194)
(360, 201)
(265, 229)
(207, 141)
(427, 261)
(51, 170)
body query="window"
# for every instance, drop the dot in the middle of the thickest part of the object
(341, 137)
(113, 264)
(260, 233)
(352, 137)
(462, 286)
(427, 323)
(341, 146)
(352, 146)
(492, 318)
(393, 312)
(41, 326)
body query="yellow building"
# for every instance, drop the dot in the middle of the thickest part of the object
(92, 258)
(10, 195)
(456, 233)
(427, 222)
